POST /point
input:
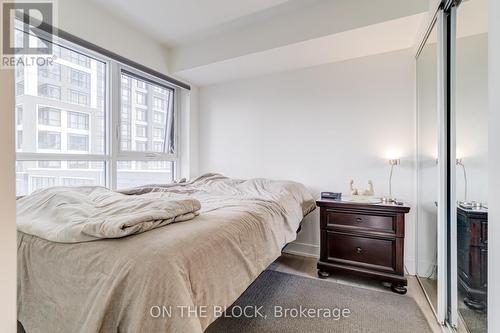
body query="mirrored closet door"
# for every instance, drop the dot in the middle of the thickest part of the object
(427, 165)
(470, 111)
(452, 164)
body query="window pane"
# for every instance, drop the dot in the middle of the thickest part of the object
(78, 142)
(33, 175)
(147, 116)
(49, 116)
(78, 120)
(61, 106)
(49, 140)
(135, 173)
(49, 164)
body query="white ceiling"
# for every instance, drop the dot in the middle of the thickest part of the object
(379, 38)
(212, 41)
(174, 21)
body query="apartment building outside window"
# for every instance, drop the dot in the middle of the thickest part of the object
(63, 136)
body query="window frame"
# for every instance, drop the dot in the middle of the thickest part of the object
(112, 105)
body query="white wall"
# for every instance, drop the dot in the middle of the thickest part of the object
(494, 167)
(321, 126)
(94, 24)
(8, 246)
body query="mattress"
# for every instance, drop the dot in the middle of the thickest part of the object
(175, 278)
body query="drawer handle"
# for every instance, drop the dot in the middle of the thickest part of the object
(359, 250)
(359, 219)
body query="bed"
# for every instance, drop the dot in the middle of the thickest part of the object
(155, 281)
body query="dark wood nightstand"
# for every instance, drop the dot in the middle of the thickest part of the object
(363, 239)
(472, 247)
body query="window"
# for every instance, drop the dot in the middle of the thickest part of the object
(66, 181)
(78, 142)
(19, 115)
(141, 84)
(34, 175)
(125, 96)
(78, 120)
(158, 146)
(49, 116)
(63, 136)
(79, 78)
(49, 164)
(49, 140)
(163, 131)
(20, 88)
(78, 97)
(141, 131)
(124, 131)
(52, 72)
(141, 146)
(158, 133)
(140, 98)
(19, 140)
(20, 71)
(134, 173)
(49, 91)
(141, 114)
(79, 59)
(159, 117)
(159, 90)
(38, 182)
(158, 103)
(78, 164)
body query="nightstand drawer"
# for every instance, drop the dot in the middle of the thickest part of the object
(376, 253)
(336, 219)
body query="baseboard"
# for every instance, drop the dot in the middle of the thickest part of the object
(410, 267)
(302, 249)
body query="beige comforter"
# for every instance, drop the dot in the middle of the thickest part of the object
(118, 285)
(88, 213)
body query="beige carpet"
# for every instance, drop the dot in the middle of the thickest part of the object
(370, 311)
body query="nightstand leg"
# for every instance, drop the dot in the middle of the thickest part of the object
(474, 304)
(398, 289)
(323, 274)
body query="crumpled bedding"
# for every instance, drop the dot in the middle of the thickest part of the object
(82, 214)
(148, 282)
